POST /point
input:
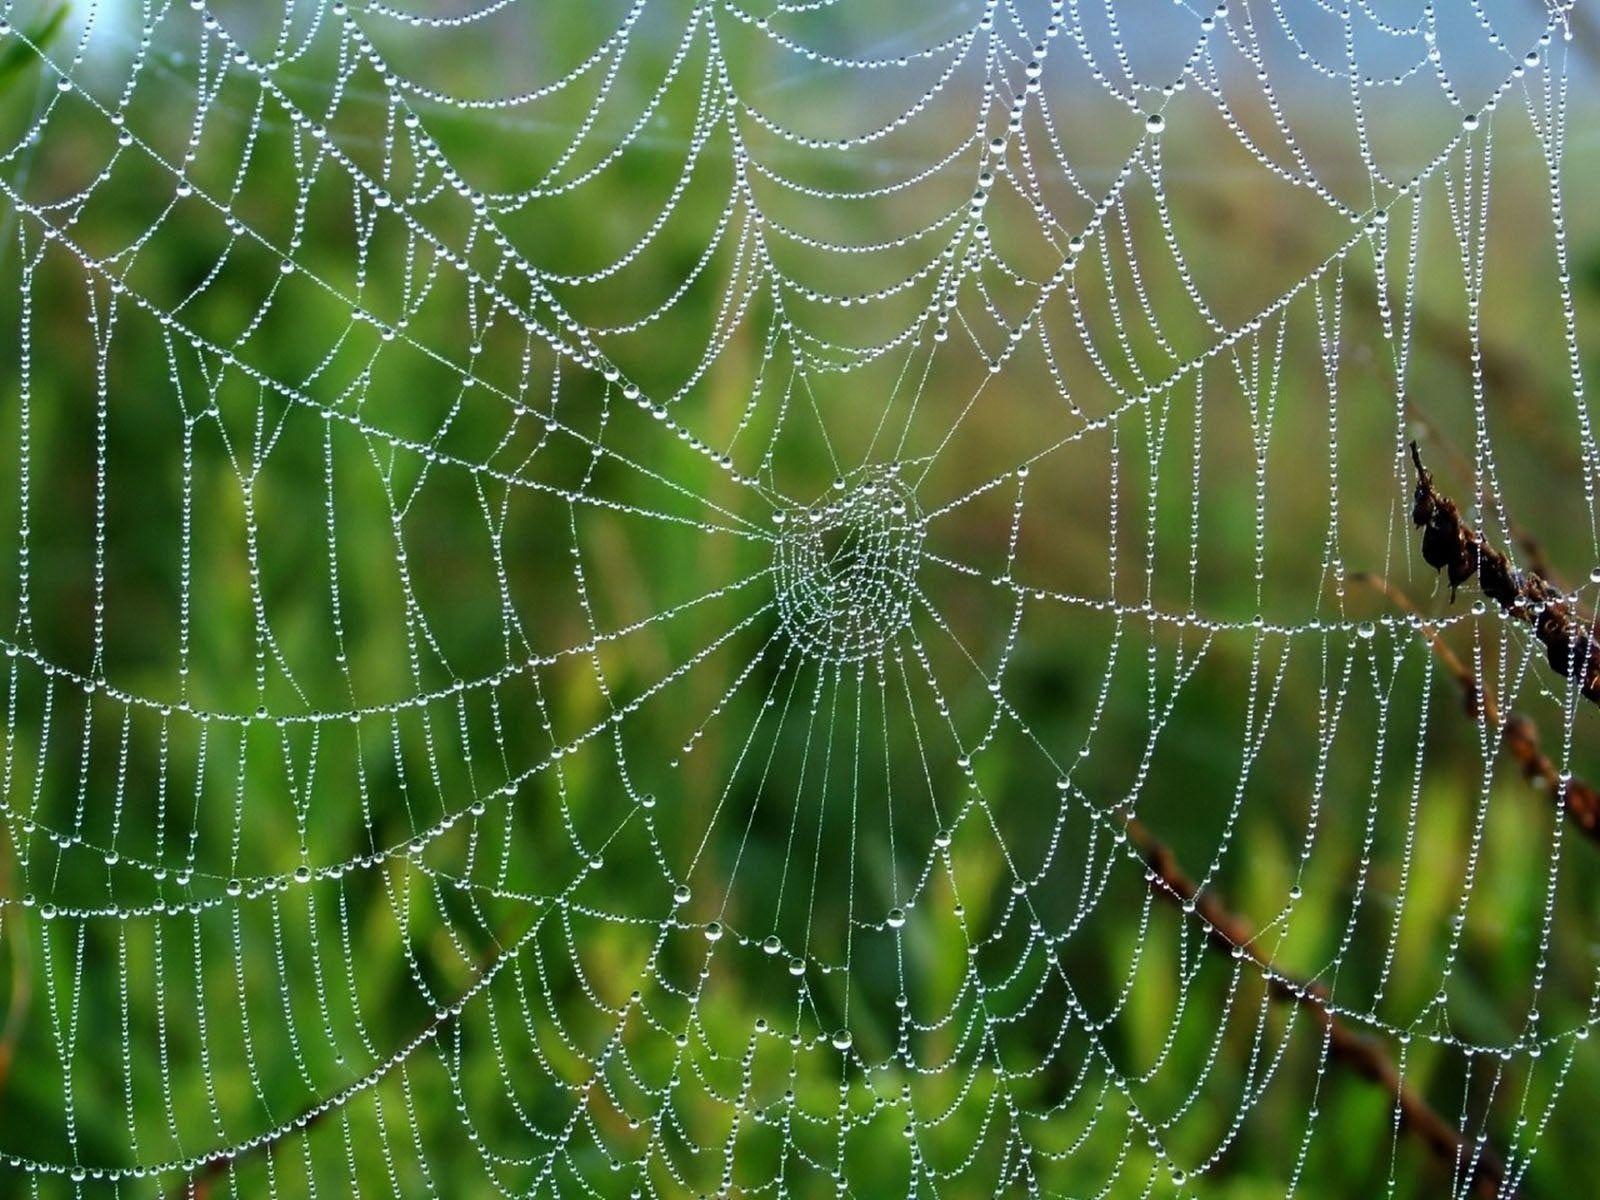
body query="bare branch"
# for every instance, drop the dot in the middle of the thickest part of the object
(1519, 734)
(1528, 546)
(1451, 545)
(1359, 1052)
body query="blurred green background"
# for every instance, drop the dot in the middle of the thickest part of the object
(189, 527)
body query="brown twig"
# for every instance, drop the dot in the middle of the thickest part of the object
(1449, 544)
(1361, 1053)
(1531, 549)
(1519, 735)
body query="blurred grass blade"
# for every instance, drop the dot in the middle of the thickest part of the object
(22, 52)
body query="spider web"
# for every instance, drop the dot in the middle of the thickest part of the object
(602, 594)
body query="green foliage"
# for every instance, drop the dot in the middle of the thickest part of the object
(397, 931)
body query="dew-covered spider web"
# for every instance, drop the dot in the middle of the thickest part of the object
(746, 597)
